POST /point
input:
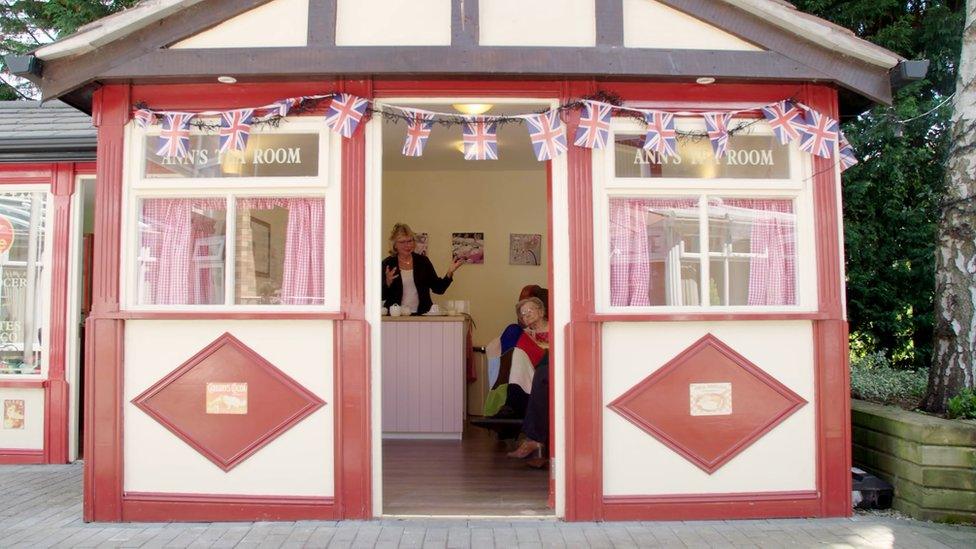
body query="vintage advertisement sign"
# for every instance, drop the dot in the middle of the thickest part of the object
(14, 414)
(711, 399)
(7, 235)
(227, 398)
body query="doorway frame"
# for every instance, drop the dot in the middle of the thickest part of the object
(557, 251)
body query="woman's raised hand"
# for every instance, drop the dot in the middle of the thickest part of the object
(391, 274)
(456, 265)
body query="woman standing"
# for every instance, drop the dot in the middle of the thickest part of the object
(408, 278)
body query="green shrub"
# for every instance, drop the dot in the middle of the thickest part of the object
(873, 379)
(962, 406)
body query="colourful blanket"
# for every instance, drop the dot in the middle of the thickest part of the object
(512, 360)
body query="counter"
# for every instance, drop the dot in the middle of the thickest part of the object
(424, 376)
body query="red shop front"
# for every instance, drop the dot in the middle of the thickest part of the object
(679, 192)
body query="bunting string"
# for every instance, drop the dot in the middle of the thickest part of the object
(790, 120)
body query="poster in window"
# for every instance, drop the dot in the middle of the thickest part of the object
(6, 234)
(261, 235)
(525, 249)
(14, 414)
(468, 246)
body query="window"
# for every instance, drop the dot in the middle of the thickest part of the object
(693, 251)
(232, 230)
(693, 232)
(23, 284)
(278, 244)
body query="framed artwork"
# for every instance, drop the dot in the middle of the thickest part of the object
(525, 249)
(421, 248)
(261, 235)
(468, 246)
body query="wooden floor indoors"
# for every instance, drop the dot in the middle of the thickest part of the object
(468, 477)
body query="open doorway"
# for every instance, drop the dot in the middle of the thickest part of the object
(454, 400)
(83, 249)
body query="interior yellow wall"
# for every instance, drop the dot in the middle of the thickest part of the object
(497, 203)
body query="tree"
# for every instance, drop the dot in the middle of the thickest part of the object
(891, 199)
(954, 360)
(26, 25)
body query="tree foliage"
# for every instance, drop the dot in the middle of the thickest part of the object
(27, 24)
(891, 199)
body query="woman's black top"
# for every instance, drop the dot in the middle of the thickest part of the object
(424, 277)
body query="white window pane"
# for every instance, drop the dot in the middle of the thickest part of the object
(181, 255)
(23, 298)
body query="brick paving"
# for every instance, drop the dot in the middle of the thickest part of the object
(40, 506)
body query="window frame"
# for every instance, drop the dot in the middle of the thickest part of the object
(798, 188)
(45, 290)
(325, 185)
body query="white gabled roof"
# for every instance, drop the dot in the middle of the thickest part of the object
(777, 12)
(113, 27)
(819, 31)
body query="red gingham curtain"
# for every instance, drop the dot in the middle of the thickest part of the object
(303, 275)
(169, 233)
(772, 270)
(629, 254)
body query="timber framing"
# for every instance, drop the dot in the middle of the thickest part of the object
(143, 56)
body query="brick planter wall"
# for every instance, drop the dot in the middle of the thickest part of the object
(930, 461)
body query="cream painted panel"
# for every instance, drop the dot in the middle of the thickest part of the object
(279, 23)
(649, 24)
(31, 437)
(393, 23)
(298, 463)
(537, 23)
(635, 463)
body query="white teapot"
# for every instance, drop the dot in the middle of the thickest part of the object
(394, 310)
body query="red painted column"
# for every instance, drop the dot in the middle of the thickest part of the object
(584, 409)
(353, 450)
(830, 335)
(56, 387)
(103, 348)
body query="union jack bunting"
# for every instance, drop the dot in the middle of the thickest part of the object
(284, 106)
(144, 118)
(548, 135)
(174, 139)
(819, 134)
(418, 131)
(786, 119)
(480, 139)
(717, 126)
(661, 136)
(345, 112)
(847, 156)
(594, 126)
(235, 128)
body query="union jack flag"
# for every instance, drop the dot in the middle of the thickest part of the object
(144, 118)
(594, 126)
(284, 106)
(786, 119)
(847, 156)
(717, 126)
(661, 136)
(235, 128)
(819, 134)
(418, 131)
(548, 135)
(345, 112)
(480, 139)
(174, 139)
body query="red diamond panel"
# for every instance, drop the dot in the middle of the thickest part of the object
(661, 404)
(273, 404)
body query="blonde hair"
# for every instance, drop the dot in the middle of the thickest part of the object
(400, 229)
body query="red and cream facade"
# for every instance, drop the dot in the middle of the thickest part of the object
(781, 450)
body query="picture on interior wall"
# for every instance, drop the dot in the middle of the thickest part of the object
(468, 246)
(525, 249)
(13, 414)
(261, 236)
(421, 247)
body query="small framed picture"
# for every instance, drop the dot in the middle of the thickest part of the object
(469, 246)
(261, 236)
(525, 249)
